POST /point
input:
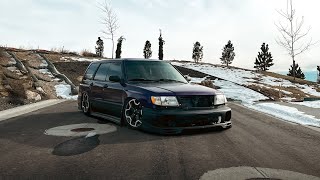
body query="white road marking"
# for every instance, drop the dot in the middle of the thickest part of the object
(66, 130)
(245, 172)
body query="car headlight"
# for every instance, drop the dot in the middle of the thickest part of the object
(164, 100)
(220, 99)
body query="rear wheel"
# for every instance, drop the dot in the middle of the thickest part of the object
(85, 104)
(132, 113)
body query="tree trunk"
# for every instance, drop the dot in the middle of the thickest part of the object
(112, 46)
(292, 44)
(294, 69)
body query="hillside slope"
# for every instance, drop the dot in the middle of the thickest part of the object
(272, 85)
(28, 76)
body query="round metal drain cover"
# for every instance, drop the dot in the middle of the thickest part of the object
(254, 173)
(82, 129)
(263, 179)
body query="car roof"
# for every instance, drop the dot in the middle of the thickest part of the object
(127, 59)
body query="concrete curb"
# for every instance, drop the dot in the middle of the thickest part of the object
(18, 111)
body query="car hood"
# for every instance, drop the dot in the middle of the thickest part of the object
(178, 89)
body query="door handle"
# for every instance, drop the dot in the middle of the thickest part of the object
(105, 86)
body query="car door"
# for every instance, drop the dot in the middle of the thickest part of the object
(97, 85)
(113, 92)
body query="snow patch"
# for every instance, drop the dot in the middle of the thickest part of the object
(312, 104)
(309, 90)
(47, 72)
(237, 92)
(196, 80)
(44, 63)
(78, 59)
(64, 91)
(287, 113)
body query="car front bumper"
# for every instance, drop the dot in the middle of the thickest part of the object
(176, 120)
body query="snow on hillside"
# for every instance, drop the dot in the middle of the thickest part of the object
(244, 77)
(234, 91)
(81, 59)
(287, 113)
(312, 104)
(232, 88)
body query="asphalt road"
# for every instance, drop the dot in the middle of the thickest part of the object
(255, 140)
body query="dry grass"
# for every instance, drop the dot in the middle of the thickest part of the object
(54, 57)
(62, 50)
(4, 61)
(268, 92)
(88, 53)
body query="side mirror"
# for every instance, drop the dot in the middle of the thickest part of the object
(188, 78)
(114, 78)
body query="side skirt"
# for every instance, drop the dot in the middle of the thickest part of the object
(107, 117)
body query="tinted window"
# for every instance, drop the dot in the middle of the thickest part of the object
(91, 70)
(114, 70)
(101, 73)
(152, 71)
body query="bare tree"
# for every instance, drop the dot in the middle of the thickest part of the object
(292, 34)
(110, 21)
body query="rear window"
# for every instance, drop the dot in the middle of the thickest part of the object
(91, 70)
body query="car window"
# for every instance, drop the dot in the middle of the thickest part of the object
(91, 70)
(102, 72)
(152, 71)
(114, 70)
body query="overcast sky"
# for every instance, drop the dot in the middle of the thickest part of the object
(75, 25)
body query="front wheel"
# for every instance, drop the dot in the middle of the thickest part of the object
(133, 113)
(85, 104)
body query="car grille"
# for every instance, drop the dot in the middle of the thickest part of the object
(196, 101)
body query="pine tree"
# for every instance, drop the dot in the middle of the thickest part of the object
(147, 53)
(298, 73)
(318, 79)
(161, 42)
(197, 53)
(264, 59)
(228, 54)
(119, 45)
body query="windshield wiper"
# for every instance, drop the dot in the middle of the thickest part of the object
(168, 80)
(140, 79)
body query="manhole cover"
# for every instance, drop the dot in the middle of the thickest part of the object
(263, 179)
(254, 173)
(82, 129)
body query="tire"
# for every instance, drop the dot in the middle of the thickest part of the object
(85, 104)
(132, 114)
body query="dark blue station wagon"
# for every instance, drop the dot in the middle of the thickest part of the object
(151, 95)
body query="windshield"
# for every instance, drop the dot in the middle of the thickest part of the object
(158, 71)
